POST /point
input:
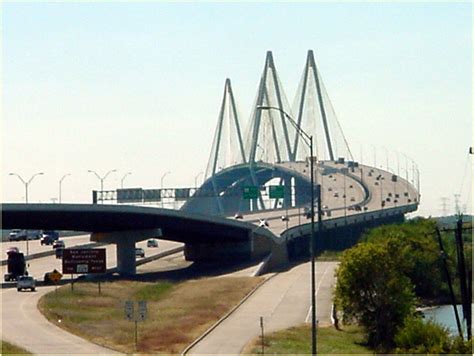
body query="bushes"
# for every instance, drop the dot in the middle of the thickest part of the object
(427, 337)
(380, 279)
(418, 336)
(372, 290)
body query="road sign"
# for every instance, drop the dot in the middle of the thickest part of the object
(250, 192)
(84, 260)
(129, 310)
(277, 192)
(55, 276)
(142, 310)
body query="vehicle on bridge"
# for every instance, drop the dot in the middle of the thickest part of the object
(16, 265)
(139, 252)
(152, 243)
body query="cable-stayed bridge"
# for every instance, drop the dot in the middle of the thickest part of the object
(256, 197)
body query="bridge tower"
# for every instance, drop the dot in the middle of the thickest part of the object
(228, 147)
(316, 116)
(268, 133)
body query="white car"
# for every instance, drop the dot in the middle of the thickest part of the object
(26, 282)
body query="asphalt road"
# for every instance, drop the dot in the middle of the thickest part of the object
(283, 301)
(34, 246)
(23, 325)
(381, 189)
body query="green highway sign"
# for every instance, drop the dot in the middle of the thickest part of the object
(250, 192)
(277, 192)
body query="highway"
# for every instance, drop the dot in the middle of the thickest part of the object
(381, 188)
(24, 325)
(36, 247)
(283, 301)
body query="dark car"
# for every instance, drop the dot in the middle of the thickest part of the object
(58, 244)
(49, 237)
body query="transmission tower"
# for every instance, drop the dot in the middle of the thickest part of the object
(444, 205)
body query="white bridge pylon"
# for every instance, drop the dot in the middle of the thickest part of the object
(269, 137)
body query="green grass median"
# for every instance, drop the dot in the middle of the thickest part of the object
(10, 349)
(297, 340)
(178, 312)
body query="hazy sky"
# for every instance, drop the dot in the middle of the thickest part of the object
(137, 87)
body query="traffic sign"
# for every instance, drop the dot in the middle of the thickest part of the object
(142, 310)
(129, 310)
(91, 260)
(55, 276)
(250, 192)
(277, 192)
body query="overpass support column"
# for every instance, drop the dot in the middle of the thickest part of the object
(125, 241)
(126, 257)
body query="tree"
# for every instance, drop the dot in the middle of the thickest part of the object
(372, 290)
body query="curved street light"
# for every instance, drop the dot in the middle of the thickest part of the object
(196, 177)
(60, 185)
(26, 183)
(308, 140)
(163, 177)
(123, 178)
(101, 179)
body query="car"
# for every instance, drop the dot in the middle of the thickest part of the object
(59, 252)
(13, 249)
(238, 216)
(26, 282)
(152, 243)
(285, 218)
(14, 235)
(49, 237)
(139, 252)
(353, 199)
(18, 235)
(336, 195)
(58, 244)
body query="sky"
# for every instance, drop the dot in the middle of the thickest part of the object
(137, 88)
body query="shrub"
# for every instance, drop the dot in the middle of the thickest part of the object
(418, 336)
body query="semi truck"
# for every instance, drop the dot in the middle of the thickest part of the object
(16, 265)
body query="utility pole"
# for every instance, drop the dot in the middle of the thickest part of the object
(456, 204)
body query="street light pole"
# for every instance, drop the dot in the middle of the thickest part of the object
(163, 177)
(60, 185)
(195, 179)
(123, 178)
(27, 183)
(308, 139)
(102, 180)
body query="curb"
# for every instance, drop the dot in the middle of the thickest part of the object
(229, 313)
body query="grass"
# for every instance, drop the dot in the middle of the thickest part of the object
(9, 349)
(297, 340)
(177, 312)
(329, 256)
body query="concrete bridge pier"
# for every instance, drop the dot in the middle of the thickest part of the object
(125, 242)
